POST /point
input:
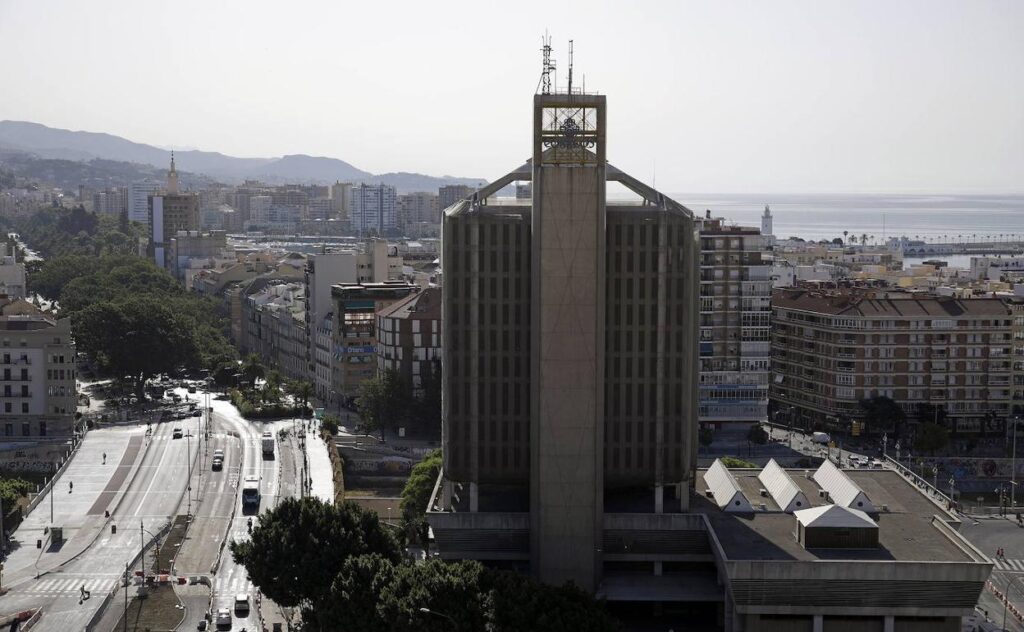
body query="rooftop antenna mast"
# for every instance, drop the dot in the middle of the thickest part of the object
(548, 67)
(570, 66)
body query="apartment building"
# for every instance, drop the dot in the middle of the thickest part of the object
(275, 321)
(376, 263)
(138, 200)
(12, 272)
(374, 209)
(451, 193)
(37, 374)
(112, 201)
(409, 338)
(418, 208)
(735, 333)
(833, 348)
(354, 348)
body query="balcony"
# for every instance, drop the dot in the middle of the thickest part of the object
(15, 361)
(16, 378)
(19, 395)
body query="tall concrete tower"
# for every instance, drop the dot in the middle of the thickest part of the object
(567, 341)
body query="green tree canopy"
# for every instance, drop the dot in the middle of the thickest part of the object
(882, 414)
(301, 545)
(931, 437)
(416, 494)
(137, 337)
(384, 401)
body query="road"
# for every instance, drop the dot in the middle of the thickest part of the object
(142, 484)
(990, 534)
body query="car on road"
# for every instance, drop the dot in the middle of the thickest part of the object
(191, 389)
(177, 434)
(223, 619)
(876, 463)
(218, 463)
(242, 604)
(201, 626)
(197, 413)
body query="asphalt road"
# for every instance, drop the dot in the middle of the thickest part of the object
(95, 556)
(990, 534)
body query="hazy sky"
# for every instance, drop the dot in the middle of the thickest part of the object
(814, 96)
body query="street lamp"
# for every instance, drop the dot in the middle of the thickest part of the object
(438, 614)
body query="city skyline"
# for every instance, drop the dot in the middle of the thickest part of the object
(796, 97)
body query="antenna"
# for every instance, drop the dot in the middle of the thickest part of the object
(548, 66)
(570, 66)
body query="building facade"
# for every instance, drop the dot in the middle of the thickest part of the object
(138, 200)
(409, 338)
(354, 346)
(37, 374)
(374, 209)
(12, 272)
(451, 193)
(418, 208)
(735, 334)
(936, 357)
(569, 356)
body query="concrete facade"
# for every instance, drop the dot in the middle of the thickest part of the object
(569, 355)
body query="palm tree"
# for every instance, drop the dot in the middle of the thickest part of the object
(300, 390)
(252, 369)
(272, 387)
(845, 233)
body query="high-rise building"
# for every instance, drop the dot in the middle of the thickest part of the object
(169, 213)
(341, 196)
(569, 359)
(374, 209)
(138, 200)
(418, 208)
(735, 334)
(451, 193)
(112, 201)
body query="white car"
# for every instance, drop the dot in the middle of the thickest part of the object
(223, 618)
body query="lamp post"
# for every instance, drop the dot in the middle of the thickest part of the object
(439, 614)
(1013, 466)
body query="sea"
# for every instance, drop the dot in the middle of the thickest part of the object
(942, 218)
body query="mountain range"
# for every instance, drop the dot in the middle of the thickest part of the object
(49, 143)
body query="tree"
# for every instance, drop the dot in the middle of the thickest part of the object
(300, 390)
(352, 601)
(516, 603)
(301, 545)
(456, 590)
(757, 435)
(136, 338)
(416, 495)
(252, 369)
(272, 386)
(931, 437)
(383, 401)
(882, 414)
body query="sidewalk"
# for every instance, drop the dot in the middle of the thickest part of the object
(320, 469)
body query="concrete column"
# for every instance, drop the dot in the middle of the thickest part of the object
(890, 623)
(659, 499)
(474, 498)
(819, 623)
(446, 494)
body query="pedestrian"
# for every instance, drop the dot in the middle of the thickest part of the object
(71, 486)
(104, 458)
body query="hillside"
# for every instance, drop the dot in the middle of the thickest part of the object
(27, 140)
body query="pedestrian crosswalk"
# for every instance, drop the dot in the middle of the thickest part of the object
(61, 585)
(1010, 565)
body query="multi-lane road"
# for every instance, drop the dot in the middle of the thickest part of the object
(123, 486)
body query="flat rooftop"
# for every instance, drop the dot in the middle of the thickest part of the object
(905, 529)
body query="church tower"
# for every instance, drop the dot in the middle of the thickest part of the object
(172, 177)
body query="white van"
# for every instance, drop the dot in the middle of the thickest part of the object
(820, 437)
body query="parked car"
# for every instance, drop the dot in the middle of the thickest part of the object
(177, 434)
(242, 604)
(223, 618)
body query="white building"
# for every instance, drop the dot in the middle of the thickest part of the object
(138, 200)
(12, 273)
(374, 209)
